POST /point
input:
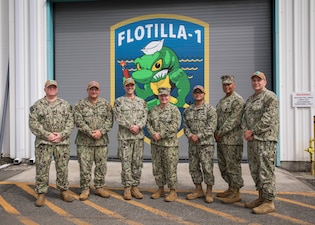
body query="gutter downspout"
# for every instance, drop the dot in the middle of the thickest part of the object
(50, 40)
(276, 73)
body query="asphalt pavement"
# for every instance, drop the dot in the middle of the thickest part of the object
(285, 181)
(294, 202)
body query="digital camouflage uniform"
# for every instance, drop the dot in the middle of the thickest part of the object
(261, 115)
(45, 118)
(230, 148)
(164, 152)
(130, 147)
(201, 121)
(89, 117)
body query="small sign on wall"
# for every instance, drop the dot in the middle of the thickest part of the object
(303, 99)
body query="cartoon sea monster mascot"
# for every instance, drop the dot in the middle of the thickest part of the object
(159, 67)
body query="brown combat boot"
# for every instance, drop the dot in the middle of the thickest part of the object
(65, 196)
(233, 197)
(84, 195)
(159, 193)
(266, 207)
(171, 196)
(255, 203)
(136, 193)
(225, 193)
(197, 193)
(40, 201)
(102, 192)
(209, 197)
(127, 193)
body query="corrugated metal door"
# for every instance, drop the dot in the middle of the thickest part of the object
(240, 43)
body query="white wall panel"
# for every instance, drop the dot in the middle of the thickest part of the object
(38, 66)
(296, 45)
(27, 70)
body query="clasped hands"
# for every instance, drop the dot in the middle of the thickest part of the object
(249, 135)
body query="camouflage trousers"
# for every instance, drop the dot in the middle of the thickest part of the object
(43, 158)
(130, 153)
(86, 156)
(201, 163)
(229, 162)
(164, 165)
(261, 160)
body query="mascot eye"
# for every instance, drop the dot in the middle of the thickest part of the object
(157, 65)
(139, 67)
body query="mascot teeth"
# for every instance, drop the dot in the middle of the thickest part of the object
(160, 74)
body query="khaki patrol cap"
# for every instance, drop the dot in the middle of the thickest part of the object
(164, 91)
(259, 74)
(200, 88)
(94, 84)
(51, 82)
(227, 79)
(129, 81)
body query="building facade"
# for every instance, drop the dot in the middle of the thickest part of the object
(75, 42)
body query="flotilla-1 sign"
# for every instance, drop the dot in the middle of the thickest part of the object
(160, 50)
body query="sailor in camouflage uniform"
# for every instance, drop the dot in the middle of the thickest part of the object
(51, 121)
(260, 124)
(93, 117)
(130, 113)
(200, 121)
(163, 124)
(229, 137)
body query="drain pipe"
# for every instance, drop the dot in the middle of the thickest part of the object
(310, 149)
(4, 112)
